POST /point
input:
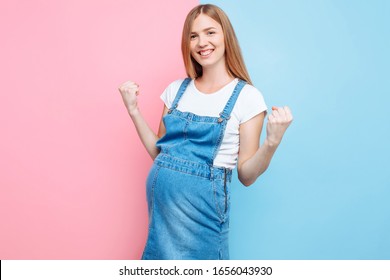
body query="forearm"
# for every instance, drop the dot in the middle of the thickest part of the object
(145, 133)
(254, 166)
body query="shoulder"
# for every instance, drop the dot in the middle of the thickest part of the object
(170, 92)
(173, 87)
(250, 102)
(250, 93)
(175, 84)
(251, 90)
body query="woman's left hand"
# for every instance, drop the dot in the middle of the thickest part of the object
(278, 122)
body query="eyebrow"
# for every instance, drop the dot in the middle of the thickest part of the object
(206, 29)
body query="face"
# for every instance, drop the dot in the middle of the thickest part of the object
(207, 42)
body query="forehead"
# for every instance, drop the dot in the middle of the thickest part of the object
(202, 22)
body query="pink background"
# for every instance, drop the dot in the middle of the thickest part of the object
(72, 168)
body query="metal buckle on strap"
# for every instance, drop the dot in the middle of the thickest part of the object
(172, 108)
(222, 117)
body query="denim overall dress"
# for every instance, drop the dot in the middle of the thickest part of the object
(188, 198)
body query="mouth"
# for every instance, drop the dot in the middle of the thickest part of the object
(205, 53)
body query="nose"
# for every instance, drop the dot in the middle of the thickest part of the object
(202, 42)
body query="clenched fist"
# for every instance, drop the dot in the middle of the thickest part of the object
(278, 122)
(129, 91)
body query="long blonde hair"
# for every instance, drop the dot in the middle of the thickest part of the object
(234, 60)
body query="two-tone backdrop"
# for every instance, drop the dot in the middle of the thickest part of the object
(72, 183)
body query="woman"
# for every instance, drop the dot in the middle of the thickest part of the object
(211, 123)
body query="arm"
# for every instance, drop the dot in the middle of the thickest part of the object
(252, 159)
(129, 91)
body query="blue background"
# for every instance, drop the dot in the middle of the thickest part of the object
(326, 194)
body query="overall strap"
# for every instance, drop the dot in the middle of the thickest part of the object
(225, 114)
(180, 93)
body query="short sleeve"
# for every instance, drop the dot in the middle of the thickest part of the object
(250, 103)
(169, 94)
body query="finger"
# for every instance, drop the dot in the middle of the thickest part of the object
(282, 114)
(130, 88)
(125, 84)
(276, 114)
(288, 113)
(274, 108)
(127, 88)
(128, 84)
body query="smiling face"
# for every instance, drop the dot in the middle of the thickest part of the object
(207, 42)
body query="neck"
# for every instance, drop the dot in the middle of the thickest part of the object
(217, 75)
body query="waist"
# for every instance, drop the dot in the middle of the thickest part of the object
(194, 168)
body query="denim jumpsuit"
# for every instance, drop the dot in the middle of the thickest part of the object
(188, 198)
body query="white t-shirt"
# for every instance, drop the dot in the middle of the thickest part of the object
(249, 103)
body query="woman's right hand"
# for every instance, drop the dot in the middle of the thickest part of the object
(129, 91)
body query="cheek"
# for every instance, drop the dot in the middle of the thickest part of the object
(192, 47)
(193, 54)
(218, 43)
(222, 47)
(222, 43)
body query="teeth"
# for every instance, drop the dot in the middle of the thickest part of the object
(204, 53)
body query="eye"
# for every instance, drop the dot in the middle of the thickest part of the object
(193, 36)
(211, 33)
